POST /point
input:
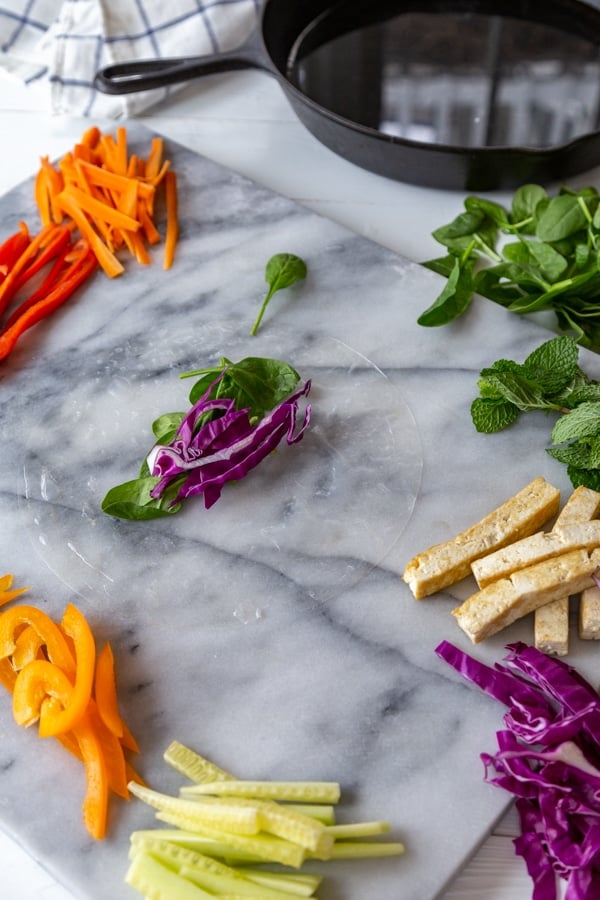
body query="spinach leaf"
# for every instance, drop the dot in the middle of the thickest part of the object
(553, 265)
(131, 500)
(455, 297)
(562, 217)
(259, 385)
(524, 205)
(254, 383)
(282, 270)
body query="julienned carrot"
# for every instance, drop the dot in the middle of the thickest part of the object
(107, 195)
(110, 196)
(172, 219)
(106, 258)
(50, 669)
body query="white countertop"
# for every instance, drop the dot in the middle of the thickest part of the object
(243, 121)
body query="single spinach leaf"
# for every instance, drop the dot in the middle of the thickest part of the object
(489, 208)
(165, 427)
(455, 297)
(464, 225)
(282, 270)
(562, 217)
(131, 500)
(255, 383)
(524, 205)
(443, 265)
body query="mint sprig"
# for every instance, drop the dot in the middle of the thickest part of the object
(550, 380)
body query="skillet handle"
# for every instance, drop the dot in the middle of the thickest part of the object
(147, 74)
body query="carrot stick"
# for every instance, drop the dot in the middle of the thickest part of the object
(98, 210)
(106, 258)
(114, 181)
(154, 158)
(172, 234)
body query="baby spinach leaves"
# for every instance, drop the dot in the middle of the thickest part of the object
(542, 253)
(239, 413)
(551, 380)
(282, 270)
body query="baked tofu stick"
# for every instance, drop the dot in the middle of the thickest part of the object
(582, 506)
(551, 627)
(589, 614)
(534, 549)
(449, 562)
(551, 621)
(503, 602)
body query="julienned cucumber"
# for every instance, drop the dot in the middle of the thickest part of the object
(221, 821)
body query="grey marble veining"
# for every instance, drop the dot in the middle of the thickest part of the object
(272, 632)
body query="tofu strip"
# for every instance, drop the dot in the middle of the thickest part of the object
(449, 562)
(508, 599)
(589, 614)
(551, 621)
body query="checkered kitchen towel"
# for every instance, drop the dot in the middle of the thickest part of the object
(61, 44)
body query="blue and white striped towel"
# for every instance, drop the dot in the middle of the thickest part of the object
(61, 44)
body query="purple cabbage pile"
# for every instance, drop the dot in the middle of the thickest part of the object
(548, 758)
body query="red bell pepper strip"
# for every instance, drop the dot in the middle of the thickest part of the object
(10, 285)
(12, 248)
(59, 238)
(30, 314)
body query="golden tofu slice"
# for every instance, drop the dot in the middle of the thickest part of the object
(582, 506)
(503, 602)
(551, 627)
(534, 549)
(589, 614)
(551, 621)
(449, 562)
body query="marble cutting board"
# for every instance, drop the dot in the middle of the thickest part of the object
(273, 633)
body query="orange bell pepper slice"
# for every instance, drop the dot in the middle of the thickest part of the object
(105, 691)
(54, 641)
(54, 720)
(39, 685)
(95, 804)
(6, 594)
(56, 678)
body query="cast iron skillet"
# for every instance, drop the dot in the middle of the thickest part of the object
(285, 26)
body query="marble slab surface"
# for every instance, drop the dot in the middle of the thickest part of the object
(273, 632)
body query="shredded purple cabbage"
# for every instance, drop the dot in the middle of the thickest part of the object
(548, 757)
(222, 449)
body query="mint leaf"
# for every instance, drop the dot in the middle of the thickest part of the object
(576, 454)
(582, 421)
(490, 415)
(518, 389)
(549, 379)
(589, 478)
(554, 364)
